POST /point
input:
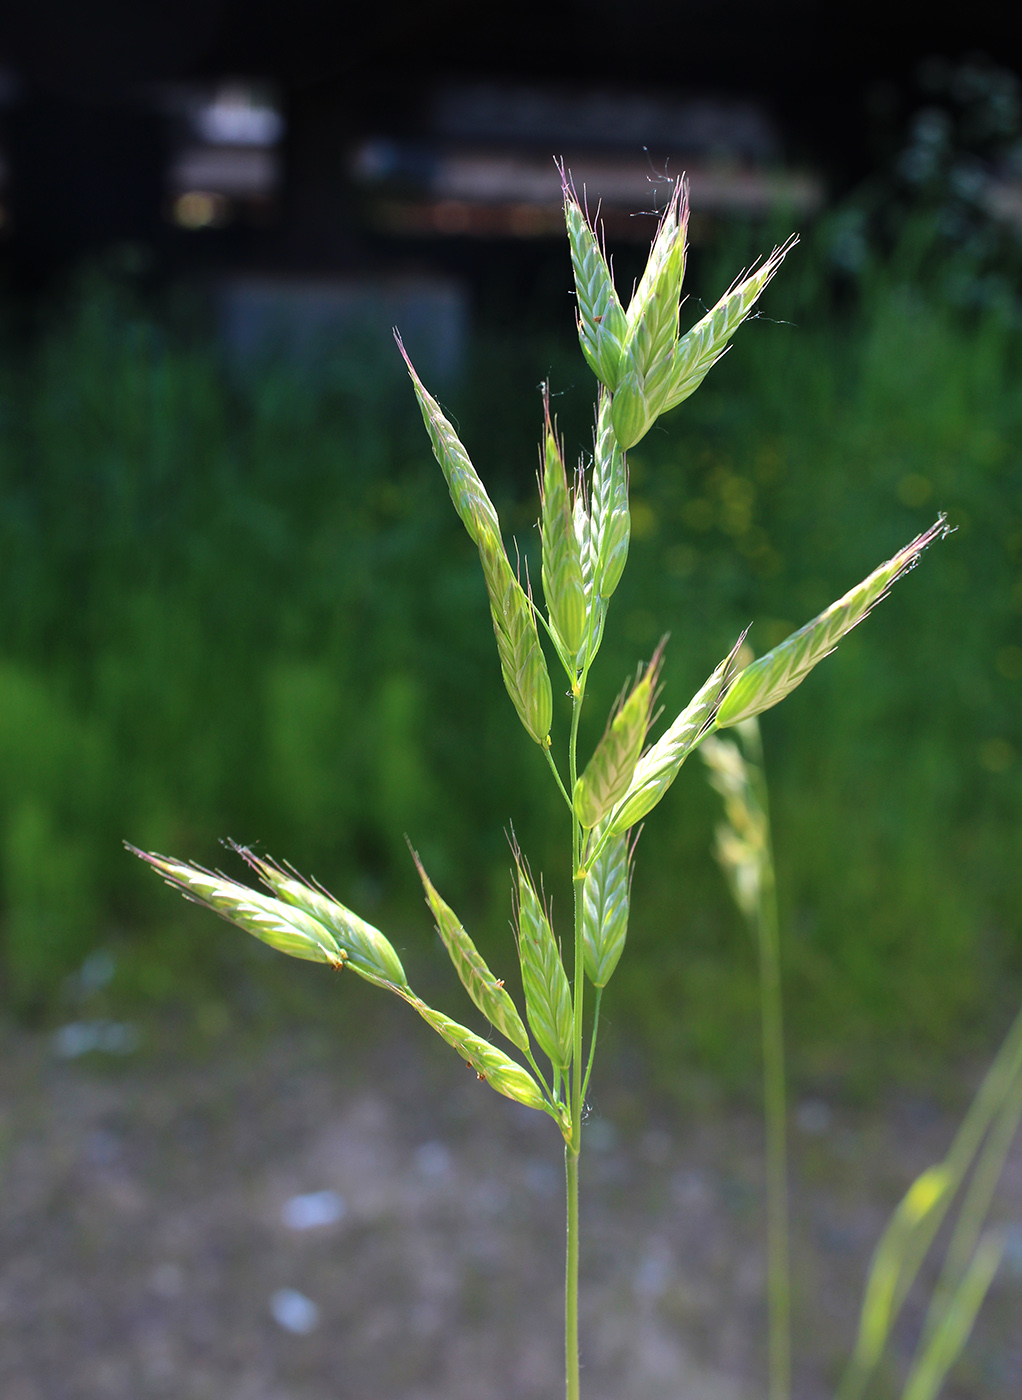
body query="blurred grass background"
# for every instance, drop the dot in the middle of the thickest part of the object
(244, 607)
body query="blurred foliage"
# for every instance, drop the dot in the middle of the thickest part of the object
(244, 607)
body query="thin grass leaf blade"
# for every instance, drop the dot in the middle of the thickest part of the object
(544, 981)
(288, 930)
(605, 896)
(522, 663)
(975, 1207)
(485, 990)
(776, 674)
(700, 348)
(658, 767)
(369, 953)
(467, 491)
(929, 1193)
(947, 1342)
(602, 326)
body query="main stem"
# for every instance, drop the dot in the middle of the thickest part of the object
(572, 1148)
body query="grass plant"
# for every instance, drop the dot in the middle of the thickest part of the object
(645, 367)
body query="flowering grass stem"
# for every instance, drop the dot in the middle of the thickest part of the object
(645, 366)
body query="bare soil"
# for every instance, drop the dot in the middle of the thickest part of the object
(142, 1239)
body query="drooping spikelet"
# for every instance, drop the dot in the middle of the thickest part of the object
(499, 1070)
(368, 952)
(485, 990)
(289, 930)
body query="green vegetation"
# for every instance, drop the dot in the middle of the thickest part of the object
(248, 609)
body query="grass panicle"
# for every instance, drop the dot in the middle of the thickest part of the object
(643, 367)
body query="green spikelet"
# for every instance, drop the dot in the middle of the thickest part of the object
(610, 520)
(485, 990)
(657, 769)
(499, 1070)
(547, 996)
(609, 771)
(562, 555)
(522, 662)
(369, 953)
(776, 674)
(601, 319)
(288, 930)
(699, 350)
(652, 328)
(605, 897)
(467, 491)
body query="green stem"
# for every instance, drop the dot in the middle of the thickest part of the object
(571, 1278)
(571, 1366)
(557, 777)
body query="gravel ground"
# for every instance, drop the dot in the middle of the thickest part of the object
(148, 1247)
